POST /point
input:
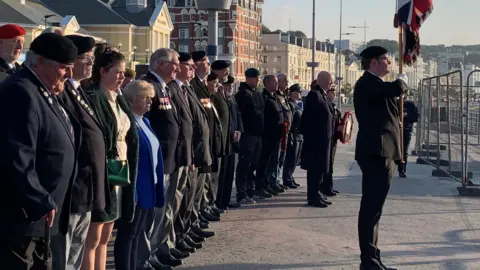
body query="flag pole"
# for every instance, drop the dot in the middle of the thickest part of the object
(401, 101)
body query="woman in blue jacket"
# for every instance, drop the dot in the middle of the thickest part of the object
(149, 185)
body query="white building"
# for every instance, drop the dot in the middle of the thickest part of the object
(348, 44)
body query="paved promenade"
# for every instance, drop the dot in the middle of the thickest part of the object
(424, 226)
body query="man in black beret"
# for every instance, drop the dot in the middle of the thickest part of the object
(251, 140)
(221, 68)
(378, 145)
(88, 189)
(39, 148)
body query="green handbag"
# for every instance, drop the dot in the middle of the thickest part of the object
(118, 172)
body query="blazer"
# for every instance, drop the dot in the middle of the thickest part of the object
(106, 116)
(221, 105)
(236, 123)
(317, 127)
(274, 116)
(148, 194)
(378, 117)
(202, 152)
(37, 164)
(251, 105)
(165, 121)
(295, 132)
(5, 69)
(89, 188)
(184, 150)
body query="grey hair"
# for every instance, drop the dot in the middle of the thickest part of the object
(163, 54)
(281, 76)
(267, 79)
(31, 60)
(135, 87)
(53, 29)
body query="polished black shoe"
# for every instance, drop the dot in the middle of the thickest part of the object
(179, 254)
(335, 191)
(317, 203)
(202, 233)
(277, 188)
(271, 191)
(215, 212)
(210, 217)
(195, 237)
(283, 186)
(266, 194)
(166, 260)
(330, 194)
(203, 225)
(291, 185)
(183, 246)
(325, 201)
(402, 175)
(295, 183)
(233, 205)
(222, 207)
(218, 210)
(192, 243)
(148, 266)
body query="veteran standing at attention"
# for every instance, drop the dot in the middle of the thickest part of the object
(38, 147)
(377, 147)
(11, 46)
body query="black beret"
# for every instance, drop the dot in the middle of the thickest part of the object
(55, 47)
(212, 77)
(220, 64)
(252, 72)
(295, 88)
(184, 57)
(198, 55)
(373, 52)
(84, 44)
(229, 80)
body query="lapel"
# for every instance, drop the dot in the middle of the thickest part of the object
(79, 97)
(160, 92)
(202, 86)
(182, 98)
(195, 99)
(4, 66)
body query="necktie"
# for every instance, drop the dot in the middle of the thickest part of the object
(66, 117)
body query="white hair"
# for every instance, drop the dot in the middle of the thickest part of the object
(53, 29)
(163, 54)
(31, 59)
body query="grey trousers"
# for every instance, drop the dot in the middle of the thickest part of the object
(183, 221)
(68, 249)
(200, 202)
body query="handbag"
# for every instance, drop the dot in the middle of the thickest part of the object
(118, 172)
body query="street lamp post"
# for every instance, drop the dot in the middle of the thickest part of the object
(147, 50)
(134, 53)
(364, 27)
(46, 17)
(119, 46)
(313, 42)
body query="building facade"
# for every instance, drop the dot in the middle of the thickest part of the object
(238, 32)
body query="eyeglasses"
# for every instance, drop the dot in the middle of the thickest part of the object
(173, 63)
(86, 58)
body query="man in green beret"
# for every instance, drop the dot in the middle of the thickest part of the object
(378, 146)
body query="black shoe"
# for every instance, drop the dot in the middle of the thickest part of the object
(210, 217)
(148, 266)
(223, 207)
(203, 220)
(335, 191)
(283, 186)
(189, 241)
(183, 246)
(179, 254)
(168, 260)
(325, 201)
(295, 183)
(195, 237)
(217, 210)
(202, 233)
(330, 194)
(271, 191)
(277, 188)
(290, 185)
(317, 203)
(266, 194)
(402, 175)
(233, 205)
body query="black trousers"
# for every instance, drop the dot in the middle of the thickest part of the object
(268, 161)
(250, 148)
(314, 182)
(26, 253)
(327, 184)
(291, 160)
(227, 173)
(183, 221)
(213, 182)
(377, 175)
(407, 137)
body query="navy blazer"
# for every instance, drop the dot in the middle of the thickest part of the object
(149, 194)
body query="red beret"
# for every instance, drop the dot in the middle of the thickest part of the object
(11, 30)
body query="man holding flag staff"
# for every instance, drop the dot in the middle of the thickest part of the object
(378, 146)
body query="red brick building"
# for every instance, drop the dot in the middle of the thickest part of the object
(238, 34)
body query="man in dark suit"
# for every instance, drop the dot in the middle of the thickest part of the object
(235, 130)
(377, 147)
(265, 185)
(317, 129)
(295, 137)
(183, 196)
(410, 117)
(220, 67)
(210, 213)
(166, 123)
(38, 147)
(11, 47)
(89, 187)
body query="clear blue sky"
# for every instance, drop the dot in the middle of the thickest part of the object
(449, 23)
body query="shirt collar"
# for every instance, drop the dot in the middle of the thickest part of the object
(160, 80)
(111, 95)
(374, 75)
(74, 83)
(179, 83)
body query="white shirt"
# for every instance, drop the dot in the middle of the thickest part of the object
(162, 82)
(74, 83)
(179, 83)
(154, 143)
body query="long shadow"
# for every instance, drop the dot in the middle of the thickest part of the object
(249, 266)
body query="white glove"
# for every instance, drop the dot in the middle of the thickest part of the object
(403, 77)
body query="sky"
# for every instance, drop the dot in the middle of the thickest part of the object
(448, 24)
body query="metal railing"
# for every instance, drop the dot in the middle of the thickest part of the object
(448, 133)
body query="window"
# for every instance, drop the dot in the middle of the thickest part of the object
(183, 48)
(183, 33)
(220, 49)
(203, 46)
(172, 45)
(205, 32)
(221, 32)
(265, 59)
(198, 31)
(197, 46)
(188, 3)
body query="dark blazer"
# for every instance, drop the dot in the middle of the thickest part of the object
(221, 105)
(106, 116)
(295, 132)
(412, 115)
(37, 164)
(202, 152)
(214, 122)
(377, 114)
(184, 150)
(148, 193)
(5, 69)
(236, 123)
(89, 188)
(165, 121)
(251, 105)
(274, 116)
(317, 129)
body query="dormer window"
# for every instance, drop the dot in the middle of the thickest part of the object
(136, 5)
(189, 3)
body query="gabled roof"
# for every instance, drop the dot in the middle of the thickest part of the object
(88, 12)
(35, 11)
(9, 14)
(141, 18)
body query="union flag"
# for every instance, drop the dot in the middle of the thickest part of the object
(410, 16)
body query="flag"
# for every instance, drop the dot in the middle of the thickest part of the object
(410, 16)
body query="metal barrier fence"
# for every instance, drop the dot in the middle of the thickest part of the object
(448, 133)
